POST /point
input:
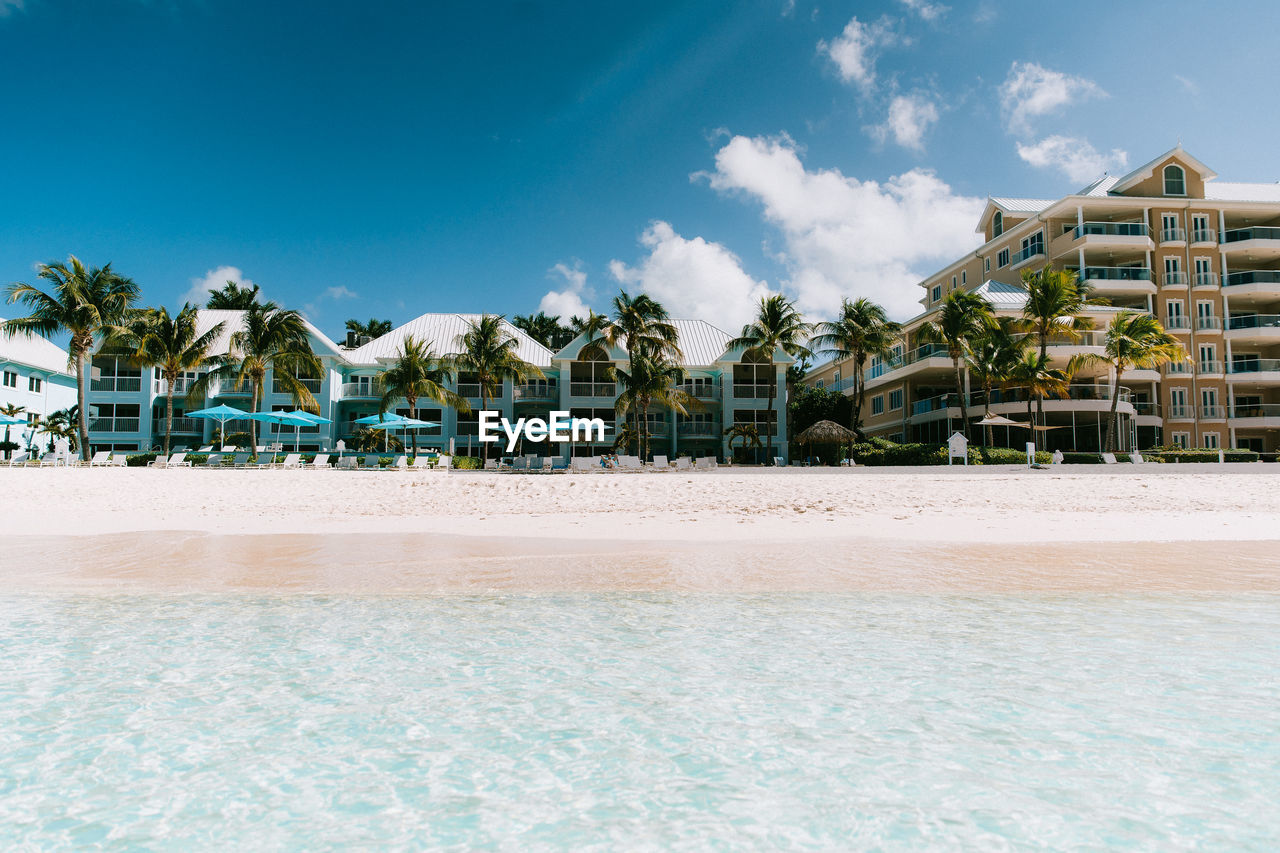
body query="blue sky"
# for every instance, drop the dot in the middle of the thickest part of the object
(385, 159)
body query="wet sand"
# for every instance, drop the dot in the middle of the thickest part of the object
(186, 562)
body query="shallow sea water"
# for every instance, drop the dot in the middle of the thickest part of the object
(640, 721)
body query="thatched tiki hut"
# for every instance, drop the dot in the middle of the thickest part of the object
(827, 432)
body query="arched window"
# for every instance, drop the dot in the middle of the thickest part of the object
(1175, 180)
(997, 224)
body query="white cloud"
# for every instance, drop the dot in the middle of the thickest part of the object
(855, 51)
(215, 279)
(926, 10)
(693, 278)
(1032, 90)
(340, 292)
(570, 301)
(1188, 84)
(846, 237)
(1074, 157)
(908, 120)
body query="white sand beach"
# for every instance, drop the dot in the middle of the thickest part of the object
(1095, 528)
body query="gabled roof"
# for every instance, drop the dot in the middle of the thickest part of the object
(1099, 188)
(1146, 170)
(1002, 295)
(702, 344)
(233, 321)
(34, 351)
(1021, 207)
(440, 332)
(1223, 191)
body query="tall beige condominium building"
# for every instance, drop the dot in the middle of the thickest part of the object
(1202, 255)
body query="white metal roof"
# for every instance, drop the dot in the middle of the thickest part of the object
(1224, 191)
(701, 342)
(233, 321)
(34, 351)
(1022, 205)
(1002, 295)
(440, 332)
(1148, 168)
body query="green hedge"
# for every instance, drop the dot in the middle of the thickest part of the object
(878, 451)
(1201, 455)
(140, 460)
(468, 463)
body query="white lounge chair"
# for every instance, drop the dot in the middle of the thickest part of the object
(321, 460)
(177, 460)
(1109, 458)
(705, 463)
(630, 463)
(684, 463)
(491, 464)
(293, 460)
(779, 462)
(228, 448)
(445, 463)
(241, 460)
(100, 459)
(119, 460)
(52, 459)
(347, 463)
(206, 449)
(660, 463)
(1136, 458)
(400, 463)
(19, 460)
(372, 462)
(422, 462)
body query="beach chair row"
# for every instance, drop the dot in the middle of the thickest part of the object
(242, 459)
(624, 464)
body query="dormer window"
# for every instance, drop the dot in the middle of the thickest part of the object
(997, 224)
(1175, 180)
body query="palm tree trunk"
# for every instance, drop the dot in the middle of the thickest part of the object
(768, 430)
(253, 425)
(859, 391)
(1111, 421)
(83, 415)
(168, 414)
(413, 413)
(1044, 351)
(964, 404)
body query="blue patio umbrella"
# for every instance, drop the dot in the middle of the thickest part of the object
(281, 418)
(403, 423)
(221, 414)
(313, 418)
(11, 420)
(379, 419)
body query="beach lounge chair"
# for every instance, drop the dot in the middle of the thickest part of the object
(400, 463)
(18, 460)
(520, 464)
(422, 462)
(445, 463)
(1109, 458)
(559, 463)
(347, 463)
(1136, 458)
(660, 463)
(228, 448)
(206, 449)
(684, 463)
(240, 460)
(100, 459)
(581, 463)
(321, 460)
(119, 460)
(177, 460)
(52, 459)
(213, 460)
(779, 462)
(706, 463)
(293, 460)
(372, 462)
(630, 463)
(491, 464)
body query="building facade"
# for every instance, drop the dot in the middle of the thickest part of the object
(127, 403)
(1202, 256)
(35, 375)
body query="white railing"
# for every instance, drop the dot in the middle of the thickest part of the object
(754, 391)
(116, 383)
(1172, 235)
(1205, 279)
(362, 390)
(187, 426)
(1204, 235)
(114, 424)
(593, 389)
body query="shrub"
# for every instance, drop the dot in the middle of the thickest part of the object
(468, 463)
(1074, 458)
(1202, 455)
(139, 460)
(1011, 456)
(197, 458)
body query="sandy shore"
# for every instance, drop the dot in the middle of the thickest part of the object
(1155, 526)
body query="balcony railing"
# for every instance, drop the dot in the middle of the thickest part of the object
(1147, 409)
(185, 426)
(113, 424)
(1252, 277)
(537, 391)
(1015, 395)
(116, 383)
(698, 428)
(312, 385)
(1116, 273)
(1239, 235)
(1113, 229)
(1205, 279)
(1177, 321)
(229, 389)
(1181, 413)
(1213, 412)
(1204, 235)
(1256, 410)
(1254, 321)
(1177, 368)
(359, 390)
(1172, 235)
(470, 390)
(1035, 250)
(180, 386)
(701, 391)
(754, 391)
(593, 389)
(926, 351)
(1254, 365)
(1207, 366)
(1205, 324)
(1175, 279)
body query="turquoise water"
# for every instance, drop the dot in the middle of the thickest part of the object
(640, 722)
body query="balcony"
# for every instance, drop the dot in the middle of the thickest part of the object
(1177, 368)
(230, 390)
(181, 426)
(1213, 413)
(758, 391)
(1204, 280)
(1255, 241)
(114, 424)
(1204, 235)
(1208, 324)
(698, 429)
(359, 391)
(922, 353)
(701, 391)
(1173, 235)
(1174, 279)
(1262, 282)
(1180, 413)
(1253, 327)
(180, 386)
(597, 390)
(1254, 415)
(1083, 397)
(1260, 370)
(1147, 410)
(1031, 253)
(1210, 368)
(1131, 235)
(119, 384)
(536, 391)
(312, 385)
(1118, 280)
(1177, 323)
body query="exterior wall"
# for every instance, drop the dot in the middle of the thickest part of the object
(57, 391)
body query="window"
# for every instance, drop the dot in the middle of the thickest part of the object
(1211, 440)
(1200, 232)
(895, 400)
(986, 265)
(1175, 315)
(877, 404)
(1169, 229)
(10, 379)
(1182, 439)
(835, 378)
(937, 292)
(964, 277)
(1003, 259)
(997, 224)
(1175, 180)
(1173, 271)
(819, 384)
(1209, 403)
(1208, 360)
(1033, 245)
(33, 384)
(953, 282)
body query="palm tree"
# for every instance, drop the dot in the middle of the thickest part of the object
(1056, 301)
(1033, 372)
(172, 346)
(1133, 341)
(862, 331)
(487, 351)
(85, 302)
(416, 373)
(992, 357)
(593, 327)
(233, 297)
(544, 329)
(965, 317)
(777, 326)
(372, 329)
(62, 424)
(650, 380)
(747, 432)
(272, 338)
(12, 410)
